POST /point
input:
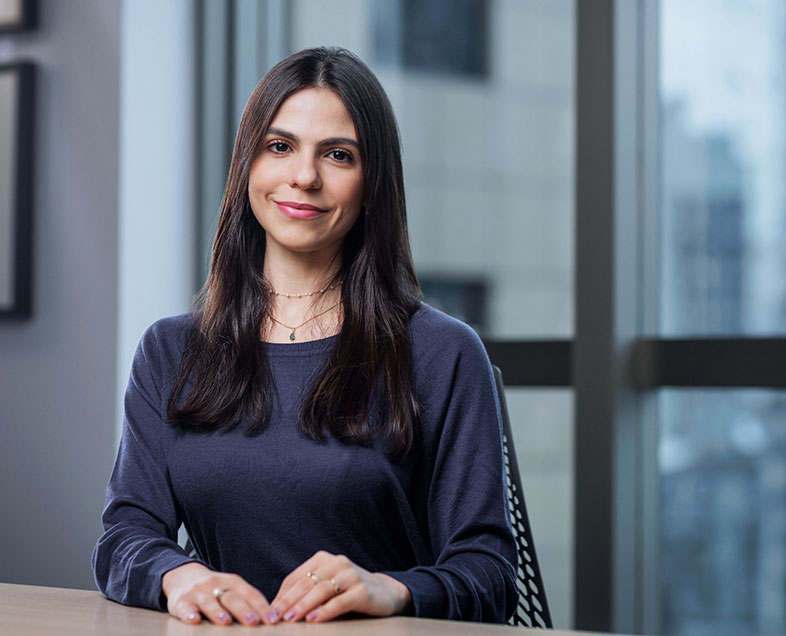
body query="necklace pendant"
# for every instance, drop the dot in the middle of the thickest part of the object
(292, 336)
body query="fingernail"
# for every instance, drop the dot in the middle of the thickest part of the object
(222, 616)
(191, 617)
(289, 615)
(312, 616)
(251, 617)
(273, 615)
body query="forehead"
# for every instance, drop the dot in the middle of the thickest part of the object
(316, 112)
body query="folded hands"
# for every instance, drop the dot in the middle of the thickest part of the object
(322, 588)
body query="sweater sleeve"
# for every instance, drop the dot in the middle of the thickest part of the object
(140, 519)
(473, 574)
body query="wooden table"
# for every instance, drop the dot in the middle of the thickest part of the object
(27, 610)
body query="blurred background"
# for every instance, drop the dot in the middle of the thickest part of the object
(137, 102)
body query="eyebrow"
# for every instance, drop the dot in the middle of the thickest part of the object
(331, 141)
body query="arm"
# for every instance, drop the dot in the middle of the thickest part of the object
(137, 560)
(473, 575)
(140, 518)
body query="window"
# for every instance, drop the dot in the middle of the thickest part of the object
(722, 459)
(433, 36)
(721, 453)
(723, 132)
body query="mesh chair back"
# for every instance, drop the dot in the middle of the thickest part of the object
(532, 609)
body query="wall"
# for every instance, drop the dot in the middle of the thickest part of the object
(157, 227)
(114, 250)
(57, 390)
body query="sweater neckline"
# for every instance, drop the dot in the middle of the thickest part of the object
(299, 348)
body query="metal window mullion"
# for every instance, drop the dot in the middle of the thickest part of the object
(608, 320)
(214, 134)
(731, 362)
(649, 302)
(592, 461)
(262, 36)
(247, 44)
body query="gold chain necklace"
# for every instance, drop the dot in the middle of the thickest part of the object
(303, 294)
(292, 335)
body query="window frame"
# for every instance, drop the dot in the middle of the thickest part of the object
(618, 365)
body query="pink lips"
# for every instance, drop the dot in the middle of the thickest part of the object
(299, 210)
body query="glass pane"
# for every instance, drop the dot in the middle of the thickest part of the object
(542, 425)
(722, 466)
(487, 124)
(723, 99)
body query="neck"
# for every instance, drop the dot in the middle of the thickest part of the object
(299, 273)
(312, 315)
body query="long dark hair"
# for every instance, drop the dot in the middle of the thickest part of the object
(225, 368)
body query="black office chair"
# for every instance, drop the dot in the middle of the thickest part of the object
(532, 609)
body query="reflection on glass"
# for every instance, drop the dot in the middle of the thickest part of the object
(722, 457)
(723, 97)
(487, 134)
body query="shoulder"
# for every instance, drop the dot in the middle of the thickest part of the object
(441, 339)
(172, 331)
(165, 341)
(431, 325)
(172, 328)
(452, 376)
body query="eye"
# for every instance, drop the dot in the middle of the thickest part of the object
(278, 146)
(342, 156)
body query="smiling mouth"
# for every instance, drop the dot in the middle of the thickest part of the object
(295, 210)
(300, 206)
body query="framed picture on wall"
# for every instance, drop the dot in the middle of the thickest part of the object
(16, 188)
(18, 15)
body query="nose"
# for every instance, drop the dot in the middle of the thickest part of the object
(305, 173)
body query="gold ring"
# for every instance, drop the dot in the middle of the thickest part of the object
(314, 578)
(336, 586)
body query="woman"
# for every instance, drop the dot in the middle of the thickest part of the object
(331, 444)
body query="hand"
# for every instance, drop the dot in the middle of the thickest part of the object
(190, 589)
(327, 586)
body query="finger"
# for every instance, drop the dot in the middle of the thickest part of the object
(235, 602)
(318, 589)
(319, 594)
(186, 612)
(256, 605)
(212, 609)
(342, 603)
(293, 586)
(290, 604)
(257, 601)
(297, 575)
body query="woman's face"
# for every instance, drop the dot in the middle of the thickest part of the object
(306, 185)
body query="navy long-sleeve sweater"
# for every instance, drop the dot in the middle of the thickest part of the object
(259, 506)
